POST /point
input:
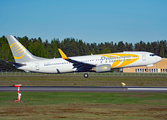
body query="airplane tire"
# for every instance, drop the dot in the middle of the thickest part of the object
(86, 75)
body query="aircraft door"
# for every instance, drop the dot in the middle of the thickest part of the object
(143, 56)
(37, 66)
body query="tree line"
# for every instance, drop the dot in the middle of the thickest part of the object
(75, 47)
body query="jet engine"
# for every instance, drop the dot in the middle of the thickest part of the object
(102, 68)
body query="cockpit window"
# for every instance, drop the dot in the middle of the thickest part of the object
(152, 54)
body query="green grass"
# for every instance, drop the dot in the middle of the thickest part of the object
(71, 105)
(82, 73)
(80, 105)
(81, 81)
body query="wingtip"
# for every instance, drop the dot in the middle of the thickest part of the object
(62, 54)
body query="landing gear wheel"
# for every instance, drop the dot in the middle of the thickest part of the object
(86, 75)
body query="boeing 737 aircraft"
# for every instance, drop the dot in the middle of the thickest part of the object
(24, 60)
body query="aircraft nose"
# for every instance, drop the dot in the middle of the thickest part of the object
(158, 58)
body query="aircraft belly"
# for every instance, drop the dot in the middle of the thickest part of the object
(48, 70)
(56, 69)
(64, 69)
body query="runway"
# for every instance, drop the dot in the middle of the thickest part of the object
(81, 89)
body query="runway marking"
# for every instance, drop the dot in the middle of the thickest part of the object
(146, 89)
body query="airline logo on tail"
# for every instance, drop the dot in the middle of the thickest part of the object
(18, 49)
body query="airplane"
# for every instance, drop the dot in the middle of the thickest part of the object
(24, 60)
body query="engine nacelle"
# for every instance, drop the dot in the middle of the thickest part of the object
(103, 68)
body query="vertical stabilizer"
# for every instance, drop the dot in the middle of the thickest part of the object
(20, 53)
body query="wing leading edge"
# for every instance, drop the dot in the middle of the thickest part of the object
(81, 66)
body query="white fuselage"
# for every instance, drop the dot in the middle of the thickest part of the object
(116, 60)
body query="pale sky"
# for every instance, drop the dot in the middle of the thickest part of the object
(90, 20)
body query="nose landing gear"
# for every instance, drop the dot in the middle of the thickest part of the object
(86, 75)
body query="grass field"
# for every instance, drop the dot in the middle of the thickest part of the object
(70, 105)
(79, 105)
(81, 81)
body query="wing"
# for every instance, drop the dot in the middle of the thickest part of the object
(81, 66)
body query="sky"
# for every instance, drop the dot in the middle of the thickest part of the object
(92, 21)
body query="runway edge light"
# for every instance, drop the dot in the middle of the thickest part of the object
(18, 90)
(123, 84)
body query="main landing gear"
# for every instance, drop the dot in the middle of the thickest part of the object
(86, 75)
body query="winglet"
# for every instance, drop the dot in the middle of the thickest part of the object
(62, 54)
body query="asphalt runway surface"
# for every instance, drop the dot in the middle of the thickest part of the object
(81, 89)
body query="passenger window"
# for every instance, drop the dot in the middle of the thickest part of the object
(152, 54)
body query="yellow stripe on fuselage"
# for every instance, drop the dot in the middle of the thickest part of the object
(121, 59)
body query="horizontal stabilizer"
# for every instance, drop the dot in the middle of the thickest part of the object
(17, 64)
